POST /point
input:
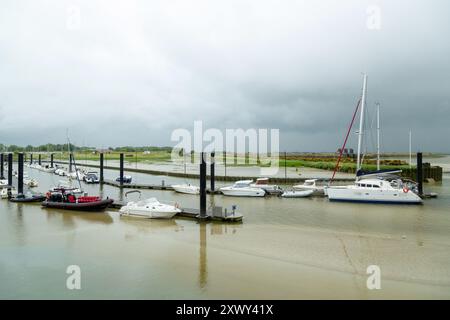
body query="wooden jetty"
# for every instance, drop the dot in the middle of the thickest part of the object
(147, 186)
(216, 214)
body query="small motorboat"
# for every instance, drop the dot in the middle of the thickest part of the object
(126, 179)
(186, 188)
(48, 169)
(310, 185)
(149, 208)
(68, 201)
(263, 183)
(26, 198)
(297, 194)
(243, 189)
(4, 193)
(60, 172)
(91, 177)
(32, 183)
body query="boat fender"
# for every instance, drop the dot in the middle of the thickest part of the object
(405, 189)
(48, 195)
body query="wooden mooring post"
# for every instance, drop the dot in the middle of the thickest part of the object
(20, 174)
(2, 169)
(102, 179)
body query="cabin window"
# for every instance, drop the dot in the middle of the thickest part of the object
(375, 186)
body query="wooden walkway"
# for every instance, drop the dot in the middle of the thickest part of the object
(217, 214)
(147, 186)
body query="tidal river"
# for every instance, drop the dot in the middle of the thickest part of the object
(284, 249)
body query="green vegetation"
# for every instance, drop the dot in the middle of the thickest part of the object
(324, 161)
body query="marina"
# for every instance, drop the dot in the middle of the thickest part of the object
(310, 242)
(224, 159)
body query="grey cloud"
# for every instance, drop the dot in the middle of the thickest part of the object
(136, 70)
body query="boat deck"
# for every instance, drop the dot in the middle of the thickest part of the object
(217, 214)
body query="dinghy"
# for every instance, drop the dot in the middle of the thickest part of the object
(28, 198)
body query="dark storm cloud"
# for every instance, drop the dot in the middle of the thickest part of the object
(133, 71)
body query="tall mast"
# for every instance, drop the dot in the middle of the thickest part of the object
(378, 136)
(361, 123)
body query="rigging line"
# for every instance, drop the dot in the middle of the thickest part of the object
(345, 141)
(74, 162)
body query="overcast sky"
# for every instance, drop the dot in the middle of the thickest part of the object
(130, 72)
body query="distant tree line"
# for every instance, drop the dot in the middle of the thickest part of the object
(49, 147)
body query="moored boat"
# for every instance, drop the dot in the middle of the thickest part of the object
(310, 184)
(186, 188)
(243, 189)
(297, 193)
(28, 198)
(149, 208)
(376, 186)
(4, 193)
(68, 201)
(263, 183)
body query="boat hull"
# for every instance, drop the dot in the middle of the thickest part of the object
(297, 194)
(28, 199)
(88, 206)
(148, 215)
(186, 189)
(242, 193)
(373, 196)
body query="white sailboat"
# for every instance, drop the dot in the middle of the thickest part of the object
(243, 189)
(374, 187)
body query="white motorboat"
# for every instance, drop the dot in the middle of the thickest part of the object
(48, 169)
(309, 185)
(186, 188)
(297, 194)
(4, 193)
(32, 183)
(91, 177)
(60, 172)
(243, 189)
(372, 186)
(149, 208)
(263, 183)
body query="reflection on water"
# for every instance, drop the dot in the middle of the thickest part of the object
(69, 218)
(203, 267)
